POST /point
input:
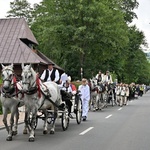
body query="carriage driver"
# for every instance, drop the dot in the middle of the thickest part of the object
(99, 77)
(108, 78)
(50, 74)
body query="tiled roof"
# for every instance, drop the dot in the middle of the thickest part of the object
(12, 48)
(15, 40)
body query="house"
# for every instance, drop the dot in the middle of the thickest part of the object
(17, 44)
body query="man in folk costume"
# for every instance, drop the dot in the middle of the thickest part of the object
(50, 74)
(126, 94)
(118, 91)
(99, 77)
(85, 97)
(108, 87)
(123, 93)
(108, 78)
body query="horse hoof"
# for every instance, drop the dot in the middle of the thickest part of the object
(52, 132)
(14, 133)
(9, 138)
(31, 139)
(45, 132)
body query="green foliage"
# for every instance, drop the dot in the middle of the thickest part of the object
(20, 9)
(92, 34)
(77, 83)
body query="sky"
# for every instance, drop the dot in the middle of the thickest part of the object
(142, 23)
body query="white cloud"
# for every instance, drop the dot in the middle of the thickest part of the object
(5, 6)
(143, 21)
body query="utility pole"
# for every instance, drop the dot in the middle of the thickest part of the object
(81, 73)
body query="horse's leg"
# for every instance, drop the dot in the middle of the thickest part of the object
(121, 101)
(101, 101)
(96, 103)
(15, 126)
(10, 133)
(125, 100)
(26, 120)
(52, 131)
(5, 112)
(90, 102)
(32, 124)
(45, 122)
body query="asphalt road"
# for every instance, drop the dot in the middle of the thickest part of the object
(113, 128)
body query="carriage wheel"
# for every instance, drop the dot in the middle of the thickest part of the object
(79, 111)
(65, 119)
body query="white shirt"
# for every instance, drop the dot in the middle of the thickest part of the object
(102, 77)
(49, 77)
(85, 92)
(64, 77)
(108, 80)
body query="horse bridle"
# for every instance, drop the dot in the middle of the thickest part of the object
(10, 92)
(9, 79)
(32, 89)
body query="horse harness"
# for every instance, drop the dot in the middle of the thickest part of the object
(13, 90)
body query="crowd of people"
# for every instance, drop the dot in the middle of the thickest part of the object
(121, 92)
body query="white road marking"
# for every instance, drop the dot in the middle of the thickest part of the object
(119, 108)
(108, 116)
(87, 130)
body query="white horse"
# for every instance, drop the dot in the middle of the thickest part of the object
(38, 96)
(97, 95)
(10, 99)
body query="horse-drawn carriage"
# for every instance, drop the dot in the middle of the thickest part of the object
(37, 97)
(63, 114)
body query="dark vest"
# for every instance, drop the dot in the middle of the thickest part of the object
(99, 78)
(52, 75)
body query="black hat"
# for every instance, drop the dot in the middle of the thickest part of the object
(50, 63)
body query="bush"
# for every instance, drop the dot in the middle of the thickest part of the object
(76, 83)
